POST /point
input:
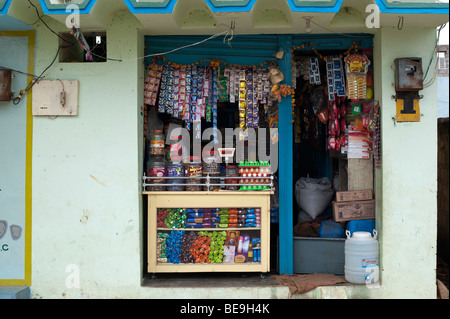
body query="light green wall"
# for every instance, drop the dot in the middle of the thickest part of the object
(86, 181)
(87, 173)
(408, 176)
(13, 142)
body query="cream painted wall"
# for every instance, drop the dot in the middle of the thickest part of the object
(408, 216)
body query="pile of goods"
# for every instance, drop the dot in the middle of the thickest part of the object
(255, 173)
(171, 218)
(208, 218)
(207, 247)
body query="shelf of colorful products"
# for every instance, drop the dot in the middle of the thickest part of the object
(251, 173)
(176, 229)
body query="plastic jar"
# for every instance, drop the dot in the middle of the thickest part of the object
(156, 167)
(211, 166)
(232, 171)
(175, 170)
(211, 163)
(157, 141)
(176, 149)
(193, 169)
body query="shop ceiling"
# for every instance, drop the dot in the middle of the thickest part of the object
(170, 17)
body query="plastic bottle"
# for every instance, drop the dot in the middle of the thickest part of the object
(156, 167)
(157, 141)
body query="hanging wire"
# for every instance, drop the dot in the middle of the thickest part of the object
(40, 18)
(434, 53)
(17, 100)
(228, 37)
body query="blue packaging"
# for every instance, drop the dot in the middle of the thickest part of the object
(331, 229)
(367, 225)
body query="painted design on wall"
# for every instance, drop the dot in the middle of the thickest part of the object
(15, 230)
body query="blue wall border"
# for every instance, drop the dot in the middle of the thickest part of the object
(49, 8)
(142, 7)
(312, 6)
(4, 7)
(215, 7)
(412, 7)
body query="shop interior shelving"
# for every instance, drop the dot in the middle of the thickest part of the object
(209, 199)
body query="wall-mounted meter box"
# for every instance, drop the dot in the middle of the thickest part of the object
(55, 98)
(5, 85)
(408, 74)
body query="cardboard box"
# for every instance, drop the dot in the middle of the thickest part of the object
(366, 194)
(343, 211)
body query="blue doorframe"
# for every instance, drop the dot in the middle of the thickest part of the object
(285, 166)
(253, 50)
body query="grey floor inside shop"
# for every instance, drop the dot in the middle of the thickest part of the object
(211, 280)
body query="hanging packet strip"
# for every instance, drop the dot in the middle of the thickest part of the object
(249, 110)
(209, 99)
(169, 100)
(214, 105)
(194, 92)
(335, 77)
(175, 91)
(152, 83)
(206, 89)
(255, 104)
(356, 67)
(187, 108)
(163, 93)
(242, 99)
(314, 72)
(181, 92)
(233, 88)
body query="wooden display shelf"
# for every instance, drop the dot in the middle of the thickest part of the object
(218, 267)
(211, 229)
(207, 199)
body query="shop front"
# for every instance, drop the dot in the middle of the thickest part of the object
(237, 139)
(231, 93)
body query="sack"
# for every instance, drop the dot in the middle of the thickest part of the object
(313, 195)
(331, 229)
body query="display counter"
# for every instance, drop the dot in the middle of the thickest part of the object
(208, 231)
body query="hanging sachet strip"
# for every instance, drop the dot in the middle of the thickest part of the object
(152, 83)
(314, 72)
(249, 80)
(181, 92)
(335, 77)
(187, 108)
(163, 93)
(209, 100)
(215, 98)
(242, 99)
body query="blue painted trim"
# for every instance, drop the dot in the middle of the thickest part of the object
(142, 9)
(4, 9)
(411, 7)
(285, 166)
(48, 10)
(313, 8)
(234, 8)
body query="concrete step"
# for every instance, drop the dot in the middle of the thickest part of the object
(15, 292)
